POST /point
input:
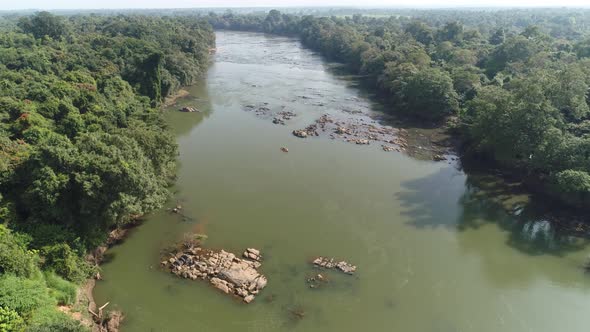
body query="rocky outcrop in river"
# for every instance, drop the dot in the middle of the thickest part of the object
(189, 109)
(350, 124)
(222, 269)
(331, 263)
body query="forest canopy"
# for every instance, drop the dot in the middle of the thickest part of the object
(83, 147)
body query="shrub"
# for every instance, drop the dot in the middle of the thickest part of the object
(48, 319)
(573, 186)
(571, 181)
(65, 262)
(10, 321)
(14, 257)
(23, 295)
(62, 290)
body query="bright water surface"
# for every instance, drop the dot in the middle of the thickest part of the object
(434, 252)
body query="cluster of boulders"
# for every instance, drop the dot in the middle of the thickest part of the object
(311, 130)
(354, 126)
(359, 130)
(224, 270)
(300, 133)
(283, 116)
(331, 263)
(189, 109)
(261, 110)
(358, 141)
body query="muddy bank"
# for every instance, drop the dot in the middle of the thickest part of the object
(171, 100)
(89, 314)
(85, 310)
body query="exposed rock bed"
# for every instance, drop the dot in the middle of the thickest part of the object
(331, 263)
(351, 120)
(264, 111)
(283, 116)
(222, 269)
(358, 130)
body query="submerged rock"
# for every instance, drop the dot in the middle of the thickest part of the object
(317, 281)
(189, 109)
(222, 269)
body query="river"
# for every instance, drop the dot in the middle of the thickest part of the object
(435, 250)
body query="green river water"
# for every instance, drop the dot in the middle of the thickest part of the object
(435, 251)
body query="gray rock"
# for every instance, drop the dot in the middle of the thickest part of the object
(220, 284)
(222, 269)
(300, 133)
(253, 251)
(331, 264)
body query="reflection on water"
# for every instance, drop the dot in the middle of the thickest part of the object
(539, 231)
(489, 199)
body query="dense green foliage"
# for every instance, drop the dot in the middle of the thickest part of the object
(514, 82)
(83, 147)
(10, 320)
(28, 297)
(14, 256)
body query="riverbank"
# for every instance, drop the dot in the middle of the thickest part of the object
(85, 310)
(104, 320)
(171, 100)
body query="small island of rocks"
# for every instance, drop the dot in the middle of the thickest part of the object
(222, 269)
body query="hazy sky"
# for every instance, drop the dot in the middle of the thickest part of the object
(76, 4)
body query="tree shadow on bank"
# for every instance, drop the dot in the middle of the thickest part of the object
(457, 201)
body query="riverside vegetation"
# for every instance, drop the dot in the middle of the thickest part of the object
(83, 148)
(513, 84)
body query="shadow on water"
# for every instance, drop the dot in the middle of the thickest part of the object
(428, 201)
(444, 200)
